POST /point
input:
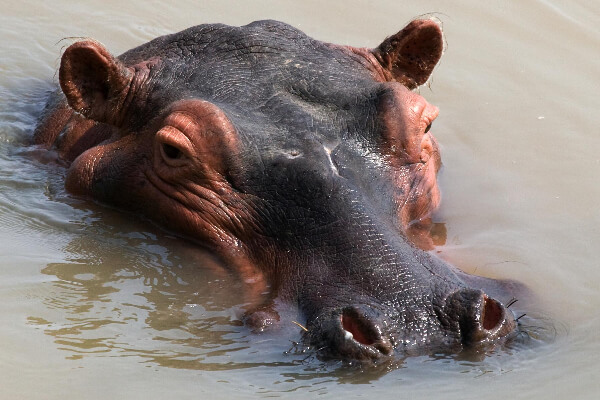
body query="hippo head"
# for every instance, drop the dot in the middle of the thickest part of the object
(306, 166)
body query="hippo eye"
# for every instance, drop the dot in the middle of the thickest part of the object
(171, 152)
(172, 147)
(428, 127)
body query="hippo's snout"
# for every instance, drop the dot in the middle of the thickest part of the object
(476, 317)
(468, 318)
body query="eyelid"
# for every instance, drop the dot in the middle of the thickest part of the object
(430, 113)
(181, 121)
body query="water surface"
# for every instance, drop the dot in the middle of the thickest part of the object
(97, 304)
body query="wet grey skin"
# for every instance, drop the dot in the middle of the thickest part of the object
(306, 166)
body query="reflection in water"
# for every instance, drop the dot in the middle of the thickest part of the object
(128, 295)
(146, 295)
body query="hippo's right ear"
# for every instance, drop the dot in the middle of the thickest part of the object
(94, 82)
(410, 55)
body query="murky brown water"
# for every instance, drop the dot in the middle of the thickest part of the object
(97, 305)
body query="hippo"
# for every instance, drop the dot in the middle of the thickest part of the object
(308, 168)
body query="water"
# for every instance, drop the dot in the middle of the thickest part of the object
(96, 304)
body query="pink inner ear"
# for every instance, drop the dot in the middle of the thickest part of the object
(412, 54)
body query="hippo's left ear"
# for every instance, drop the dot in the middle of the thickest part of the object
(410, 55)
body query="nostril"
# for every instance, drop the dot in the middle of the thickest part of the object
(353, 332)
(491, 314)
(476, 317)
(357, 329)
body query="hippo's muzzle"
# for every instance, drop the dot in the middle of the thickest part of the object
(469, 319)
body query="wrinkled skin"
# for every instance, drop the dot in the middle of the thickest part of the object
(308, 167)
